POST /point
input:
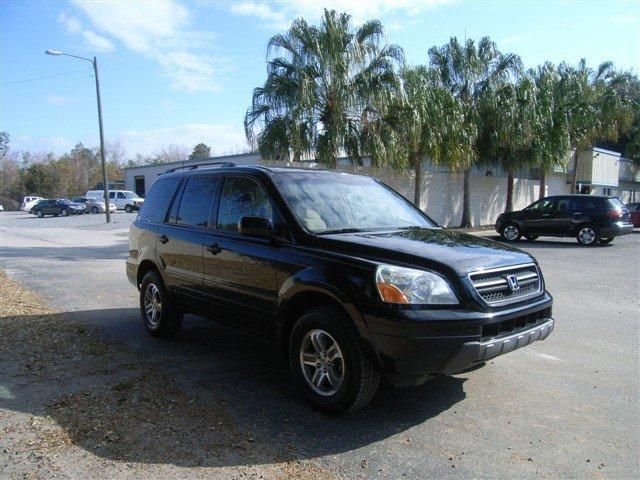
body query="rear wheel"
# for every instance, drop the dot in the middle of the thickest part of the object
(511, 232)
(587, 235)
(159, 314)
(607, 240)
(64, 212)
(328, 362)
(39, 213)
(94, 210)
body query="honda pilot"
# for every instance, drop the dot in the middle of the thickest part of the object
(351, 280)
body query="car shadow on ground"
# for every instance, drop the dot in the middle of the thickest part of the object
(211, 396)
(547, 242)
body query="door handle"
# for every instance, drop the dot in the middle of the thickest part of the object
(163, 238)
(214, 248)
(546, 214)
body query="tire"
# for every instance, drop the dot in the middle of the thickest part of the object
(358, 381)
(606, 241)
(168, 318)
(95, 210)
(587, 235)
(510, 232)
(531, 238)
(128, 208)
(64, 212)
(39, 213)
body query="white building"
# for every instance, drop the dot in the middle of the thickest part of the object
(599, 172)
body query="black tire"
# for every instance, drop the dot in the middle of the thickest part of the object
(360, 380)
(169, 318)
(128, 208)
(94, 210)
(39, 213)
(606, 241)
(531, 238)
(64, 212)
(587, 235)
(507, 229)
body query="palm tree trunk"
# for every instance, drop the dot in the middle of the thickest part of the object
(509, 206)
(574, 186)
(543, 182)
(466, 200)
(417, 193)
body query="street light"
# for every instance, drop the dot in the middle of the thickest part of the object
(105, 183)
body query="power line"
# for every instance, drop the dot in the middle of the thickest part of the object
(41, 78)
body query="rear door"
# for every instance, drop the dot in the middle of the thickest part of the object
(180, 239)
(240, 271)
(565, 215)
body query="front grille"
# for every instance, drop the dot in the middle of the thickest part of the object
(497, 287)
(515, 325)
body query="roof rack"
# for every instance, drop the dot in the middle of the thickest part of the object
(195, 167)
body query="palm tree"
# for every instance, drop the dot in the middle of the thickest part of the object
(323, 85)
(467, 71)
(598, 111)
(428, 123)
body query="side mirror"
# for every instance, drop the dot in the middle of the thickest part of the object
(260, 227)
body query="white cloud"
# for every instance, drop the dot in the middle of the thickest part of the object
(163, 31)
(624, 18)
(58, 100)
(279, 14)
(98, 42)
(71, 24)
(222, 138)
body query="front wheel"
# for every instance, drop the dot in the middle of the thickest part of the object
(160, 315)
(328, 362)
(511, 232)
(128, 208)
(587, 235)
(94, 210)
(64, 212)
(606, 240)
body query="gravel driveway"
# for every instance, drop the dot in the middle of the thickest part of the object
(568, 407)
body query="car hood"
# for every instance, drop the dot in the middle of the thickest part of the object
(431, 248)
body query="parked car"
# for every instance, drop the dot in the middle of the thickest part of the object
(634, 214)
(592, 219)
(93, 205)
(351, 279)
(57, 206)
(1, 208)
(28, 202)
(123, 199)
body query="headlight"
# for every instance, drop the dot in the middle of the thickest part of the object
(406, 285)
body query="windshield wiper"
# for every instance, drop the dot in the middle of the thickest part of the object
(341, 230)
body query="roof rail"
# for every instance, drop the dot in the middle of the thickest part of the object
(195, 167)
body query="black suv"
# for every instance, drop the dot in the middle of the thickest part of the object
(591, 219)
(351, 280)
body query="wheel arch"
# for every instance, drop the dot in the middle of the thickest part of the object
(145, 267)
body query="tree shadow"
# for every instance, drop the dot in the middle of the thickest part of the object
(211, 396)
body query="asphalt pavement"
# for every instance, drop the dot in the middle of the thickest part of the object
(568, 407)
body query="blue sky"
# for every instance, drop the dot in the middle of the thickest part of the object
(182, 72)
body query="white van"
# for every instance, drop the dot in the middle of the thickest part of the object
(123, 199)
(28, 202)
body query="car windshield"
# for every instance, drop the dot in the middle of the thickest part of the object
(339, 202)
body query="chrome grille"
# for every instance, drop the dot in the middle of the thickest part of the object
(507, 285)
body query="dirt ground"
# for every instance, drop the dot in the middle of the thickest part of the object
(114, 404)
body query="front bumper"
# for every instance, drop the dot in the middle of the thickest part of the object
(616, 229)
(412, 345)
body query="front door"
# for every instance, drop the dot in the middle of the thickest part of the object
(180, 239)
(240, 271)
(538, 219)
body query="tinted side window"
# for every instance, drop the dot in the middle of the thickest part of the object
(155, 206)
(242, 196)
(197, 200)
(112, 194)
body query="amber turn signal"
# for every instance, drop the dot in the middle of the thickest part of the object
(391, 293)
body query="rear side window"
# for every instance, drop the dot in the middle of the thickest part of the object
(242, 196)
(155, 206)
(615, 202)
(198, 197)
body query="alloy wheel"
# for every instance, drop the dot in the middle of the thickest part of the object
(322, 362)
(587, 235)
(152, 305)
(510, 232)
